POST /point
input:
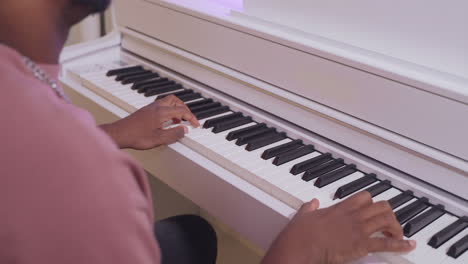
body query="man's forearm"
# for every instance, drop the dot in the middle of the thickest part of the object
(115, 131)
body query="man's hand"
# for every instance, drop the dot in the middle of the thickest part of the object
(338, 234)
(144, 128)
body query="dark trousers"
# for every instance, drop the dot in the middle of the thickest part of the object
(186, 239)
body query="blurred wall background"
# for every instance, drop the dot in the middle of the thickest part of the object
(90, 28)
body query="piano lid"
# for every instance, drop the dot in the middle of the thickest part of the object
(383, 69)
(429, 33)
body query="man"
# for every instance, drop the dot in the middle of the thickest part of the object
(68, 195)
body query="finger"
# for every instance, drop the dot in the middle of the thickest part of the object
(387, 234)
(180, 112)
(390, 245)
(175, 101)
(375, 209)
(385, 222)
(172, 135)
(171, 100)
(310, 206)
(357, 201)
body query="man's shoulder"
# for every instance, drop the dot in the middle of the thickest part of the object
(11, 65)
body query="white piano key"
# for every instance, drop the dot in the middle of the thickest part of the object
(387, 195)
(282, 169)
(96, 75)
(440, 255)
(285, 169)
(362, 189)
(117, 89)
(252, 161)
(463, 259)
(194, 100)
(123, 91)
(405, 204)
(141, 104)
(252, 156)
(294, 185)
(221, 137)
(202, 121)
(326, 193)
(98, 79)
(199, 132)
(106, 83)
(166, 93)
(213, 139)
(226, 148)
(297, 189)
(423, 211)
(424, 235)
(219, 144)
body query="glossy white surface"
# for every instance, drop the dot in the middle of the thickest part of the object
(429, 33)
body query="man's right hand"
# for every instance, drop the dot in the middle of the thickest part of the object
(338, 234)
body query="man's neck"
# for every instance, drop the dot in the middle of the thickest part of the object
(39, 48)
(36, 35)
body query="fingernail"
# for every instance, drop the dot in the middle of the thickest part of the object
(185, 129)
(412, 243)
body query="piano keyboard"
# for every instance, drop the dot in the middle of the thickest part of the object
(287, 168)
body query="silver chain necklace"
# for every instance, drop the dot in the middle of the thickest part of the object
(41, 75)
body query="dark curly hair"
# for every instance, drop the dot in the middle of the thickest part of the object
(94, 6)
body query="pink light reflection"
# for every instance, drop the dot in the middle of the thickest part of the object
(233, 4)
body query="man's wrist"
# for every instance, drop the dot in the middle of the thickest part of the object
(117, 133)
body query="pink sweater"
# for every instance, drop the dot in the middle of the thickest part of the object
(67, 193)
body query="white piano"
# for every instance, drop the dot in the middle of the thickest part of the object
(299, 99)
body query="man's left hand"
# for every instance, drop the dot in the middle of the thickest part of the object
(144, 129)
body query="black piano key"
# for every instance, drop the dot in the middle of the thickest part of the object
(293, 154)
(379, 188)
(400, 199)
(221, 127)
(163, 89)
(138, 85)
(200, 102)
(322, 169)
(147, 87)
(275, 151)
(212, 122)
(336, 175)
(310, 163)
(189, 97)
(123, 70)
(447, 233)
(204, 107)
(139, 78)
(406, 213)
(262, 142)
(355, 186)
(423, 220)
(244, 131)
(212, 112)
(460, 247)
(254, 136)
(123, 76)
(177, 93)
